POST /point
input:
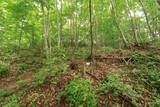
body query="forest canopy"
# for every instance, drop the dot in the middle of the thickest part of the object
(48, 23)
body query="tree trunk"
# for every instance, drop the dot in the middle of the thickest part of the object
(132, 23)
(147, 19)
(118, 26)
(59, 23)
(45, 31)
(91, 33)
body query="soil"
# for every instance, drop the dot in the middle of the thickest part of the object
(103, 64)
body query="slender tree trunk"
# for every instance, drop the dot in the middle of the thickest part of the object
(48, 31)
(158, 1)
(132, 23)
(118, 26)
(95, 23)
(61, 25)
(147, 19)
(20, 34)
(45, 31)
(95, 30)
(76, 26)
(91, 32)
(59, 22)
(20, 39)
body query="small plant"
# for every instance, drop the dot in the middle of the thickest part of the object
(12, 102)
(79, 93)
(148, 70)
(4, 93)
(104, 49)
(21, 83)
(156, 103)
(4, 69)
(21, 68)
(115, 87)
(48, 71)
(54, 81)
(40, 78)
(35, 96)
(53, 60)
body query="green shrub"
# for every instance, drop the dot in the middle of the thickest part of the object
(115, 87)
(146, 60)
(21, 68)
(104, 49)
(48, 71)
(40, 78)
(12, 101)
(148, 72)
(148, 69)
(52, 60)
(21, 83)
(4, 70)
(79, 93)
(156, 103)
(4, 93)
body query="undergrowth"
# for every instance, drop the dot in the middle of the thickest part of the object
(148, 72)
(79, 93)
(46, 72)
(4, 69)
(12, 101)
(148, 69)
(115, 87)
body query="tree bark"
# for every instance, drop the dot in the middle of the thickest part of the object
(45, 30)
(91, 32)
(59, 22)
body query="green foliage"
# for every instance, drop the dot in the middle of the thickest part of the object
(156, 103)
(39, 78)
(52, 60)
(148, 72)
(12, 102)
(21, 68)
(54, 81)
(4, 69)
(148, 69)
(149, 77)
(34, 97)
(116, 88)
(104, 49)
(80, 53)
(8, 56)
(79, 93)
(59, 52)
(146, 60)
(48, 71)
(21, 83)
(4, 93)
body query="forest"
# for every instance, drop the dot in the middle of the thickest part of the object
(79, 53)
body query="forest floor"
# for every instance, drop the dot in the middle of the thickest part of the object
(33, 81)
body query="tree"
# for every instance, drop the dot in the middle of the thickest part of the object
(117, 24)
(91, 32)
